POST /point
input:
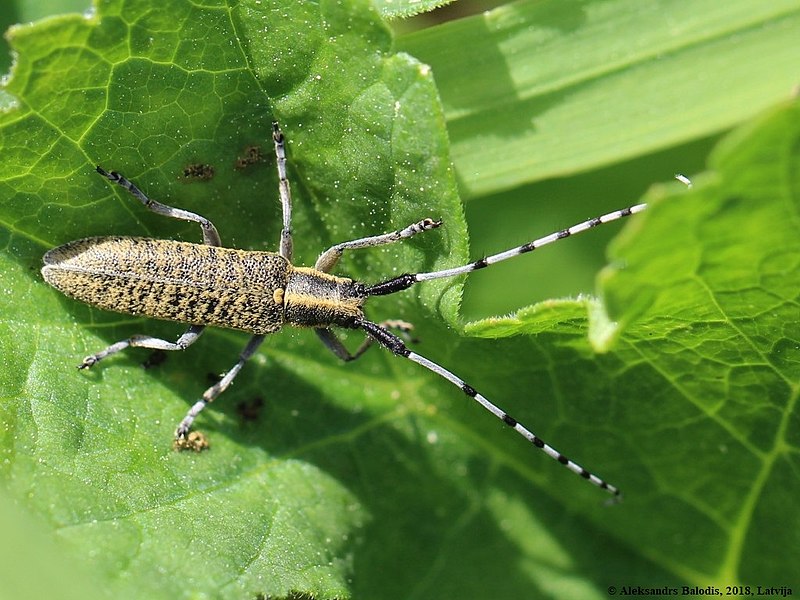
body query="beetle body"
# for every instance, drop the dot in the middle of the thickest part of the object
(259, 292)
(199, 284)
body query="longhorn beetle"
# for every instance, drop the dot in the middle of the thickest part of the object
(258, 292)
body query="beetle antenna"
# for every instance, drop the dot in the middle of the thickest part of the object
(405, 281)
(390, 341)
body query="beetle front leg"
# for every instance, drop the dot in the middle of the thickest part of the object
(328, 259)
(335, 345)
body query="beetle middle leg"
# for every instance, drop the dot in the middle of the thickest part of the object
(145, 341)
(210, 233)
(286, 244)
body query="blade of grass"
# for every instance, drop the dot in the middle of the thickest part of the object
(534, 90)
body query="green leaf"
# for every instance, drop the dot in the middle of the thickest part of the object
(391, 9)
(32, 565)
(150, 90)
(542, 89)
(699, 395)
(374, 479)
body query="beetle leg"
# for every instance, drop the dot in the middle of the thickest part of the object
(145, 341)
(328, 259)
(335, 345)
(285, 192)
(210, 234)
(215, 390)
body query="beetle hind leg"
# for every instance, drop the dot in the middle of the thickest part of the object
(182, 440)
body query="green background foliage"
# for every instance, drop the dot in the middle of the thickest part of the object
(677, 380)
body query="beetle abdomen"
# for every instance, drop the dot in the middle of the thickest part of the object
(177, 281)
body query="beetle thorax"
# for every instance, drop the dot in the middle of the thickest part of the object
(316, 299)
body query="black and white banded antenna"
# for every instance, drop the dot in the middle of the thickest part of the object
(389, 340)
